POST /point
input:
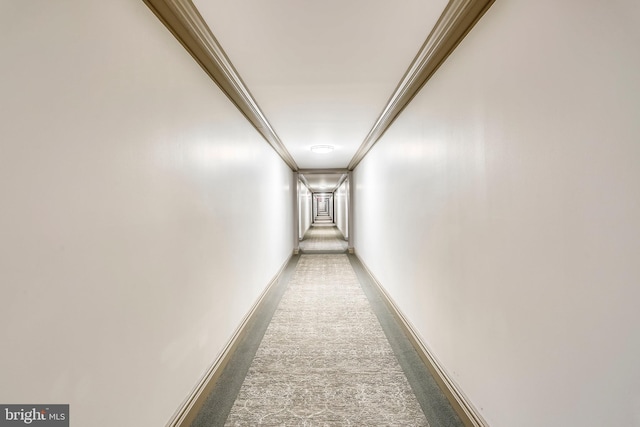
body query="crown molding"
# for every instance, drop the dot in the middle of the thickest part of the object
(457, 19)
(342, 172)
(304, 181)
(185, 22)
(340, 181)
(343, 178)
(334, 171)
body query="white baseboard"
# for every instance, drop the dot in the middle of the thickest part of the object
(460, 403)
(189, 409)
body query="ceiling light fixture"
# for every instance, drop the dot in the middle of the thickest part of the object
(322, 149)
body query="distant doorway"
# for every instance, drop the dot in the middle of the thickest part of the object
(323, 208)
(322, 211)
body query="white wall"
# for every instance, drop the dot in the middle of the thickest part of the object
(509, 233)
(342, 210)
(314, 204)
(137, 206)
(304, 208)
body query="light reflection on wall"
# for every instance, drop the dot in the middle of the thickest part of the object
(419, 151)
(207, 154)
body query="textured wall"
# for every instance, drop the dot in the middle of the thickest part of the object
(509, 232)
(137, 206)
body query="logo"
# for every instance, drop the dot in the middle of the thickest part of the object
(34, 415)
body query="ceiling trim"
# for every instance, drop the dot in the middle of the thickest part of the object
(185, 22)
(340, 181)
(343, 178)
(303, 173)
(457, 19)
(335, 171)
(304, 181)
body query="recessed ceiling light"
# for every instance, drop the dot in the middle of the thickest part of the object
(322, 149)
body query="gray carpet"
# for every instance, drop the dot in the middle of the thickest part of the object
(324, 358)
(322, 237)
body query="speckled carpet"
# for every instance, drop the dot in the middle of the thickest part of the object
(321, 237)
(324, 359)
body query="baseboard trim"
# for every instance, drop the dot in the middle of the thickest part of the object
(189, 409)
(460, 403)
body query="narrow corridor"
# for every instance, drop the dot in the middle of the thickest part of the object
(323, 237)
(172, 172)
(324, 358)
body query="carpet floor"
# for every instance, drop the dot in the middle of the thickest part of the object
(322, 237)
(324, 358)
(324, 350)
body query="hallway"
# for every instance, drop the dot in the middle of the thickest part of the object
(323, 237)
(169, 169)
(324, 358)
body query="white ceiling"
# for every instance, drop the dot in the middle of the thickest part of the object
(321, 71)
